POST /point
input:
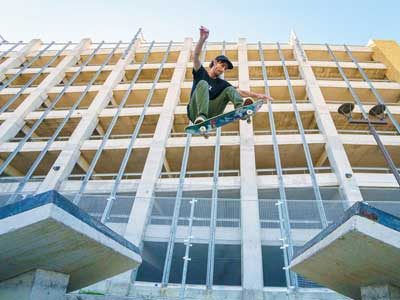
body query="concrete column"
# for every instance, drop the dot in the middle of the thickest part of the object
(252, 270)
(334, 146)
(380, 292)
(71, 152)
(16, 59)
(34, 285)
(142, 206)
(15, 122)
(387, 52)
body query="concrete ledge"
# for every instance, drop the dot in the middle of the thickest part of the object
(146, 291)
(361, 249)
(48, 232)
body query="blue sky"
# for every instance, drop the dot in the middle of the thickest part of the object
(338, 21)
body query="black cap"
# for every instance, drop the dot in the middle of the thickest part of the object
(224, 59)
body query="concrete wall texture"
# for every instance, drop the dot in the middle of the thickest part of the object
(103, 123)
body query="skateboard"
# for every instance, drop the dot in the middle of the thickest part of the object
(244, 113)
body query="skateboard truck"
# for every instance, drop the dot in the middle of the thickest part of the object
(203, 132)
(249, 113)
(376, 111)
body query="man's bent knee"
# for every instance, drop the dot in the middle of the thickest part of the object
(202, 84)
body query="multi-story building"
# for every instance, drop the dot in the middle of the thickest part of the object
(103, 124)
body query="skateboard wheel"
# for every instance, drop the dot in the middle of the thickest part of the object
(202, 129)
(249, 112)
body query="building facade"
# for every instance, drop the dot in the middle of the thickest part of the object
(217, 218)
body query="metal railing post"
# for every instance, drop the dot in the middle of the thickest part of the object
(178, 202)
(188, 244)
(284, 221)
(214, 204)
(307, 152)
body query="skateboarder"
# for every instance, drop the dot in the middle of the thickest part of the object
(210, 94)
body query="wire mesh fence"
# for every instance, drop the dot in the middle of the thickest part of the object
(303, 213)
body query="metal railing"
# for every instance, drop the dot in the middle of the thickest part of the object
(192, 174)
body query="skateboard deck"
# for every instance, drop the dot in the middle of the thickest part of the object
(244, 112)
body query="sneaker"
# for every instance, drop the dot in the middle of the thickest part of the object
(199, 119)
(248, 101)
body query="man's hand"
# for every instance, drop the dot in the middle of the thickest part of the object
(254, 95)
(265, 97)
(204, 32)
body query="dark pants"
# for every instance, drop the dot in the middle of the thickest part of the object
(200, 103)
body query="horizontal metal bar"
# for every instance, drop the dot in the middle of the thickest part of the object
(347, 131)
(368, 121)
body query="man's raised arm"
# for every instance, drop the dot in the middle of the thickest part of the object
(204, 32)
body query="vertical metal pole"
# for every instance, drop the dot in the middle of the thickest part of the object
(128, 48)
(110, 128)
(284, 221)
(30, 81)
(62, 124)
(365, 116)
(5, 52)
(214, 204)
(43, 115)
(175, 216)
(307, 153)
(178, 202)
(134, 272)
(188, 244)
(24, 67)
(373, 89)
(134, 135)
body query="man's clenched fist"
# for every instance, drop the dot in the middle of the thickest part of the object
(204, 32)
